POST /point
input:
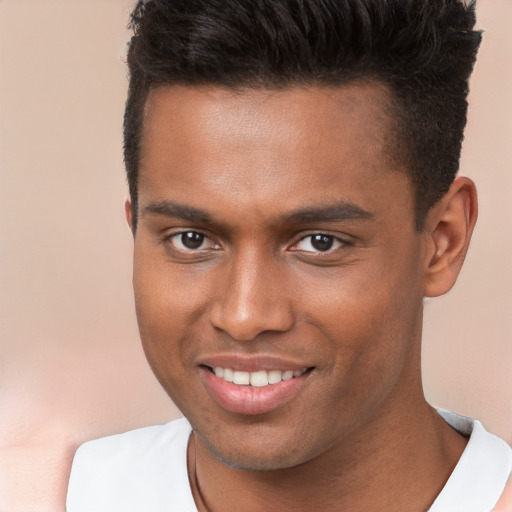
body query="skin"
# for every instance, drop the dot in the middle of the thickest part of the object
(359, 430)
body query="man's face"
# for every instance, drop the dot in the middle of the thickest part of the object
(275, 238)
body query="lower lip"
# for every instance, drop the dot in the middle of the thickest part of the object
(249, 399)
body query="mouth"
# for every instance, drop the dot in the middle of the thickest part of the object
(258, 379)
(253, 392)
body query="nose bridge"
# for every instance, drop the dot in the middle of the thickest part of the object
(253, 298)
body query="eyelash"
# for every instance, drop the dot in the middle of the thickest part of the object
(335, 241)
(176, 236)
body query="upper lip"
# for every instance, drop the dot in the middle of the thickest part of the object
(253, 363)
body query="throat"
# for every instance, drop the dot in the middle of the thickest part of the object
(192, 475)
(420, 461)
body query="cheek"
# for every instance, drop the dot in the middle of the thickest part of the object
(167, 296)
(167, 308)
(370, 318)
(170, 313)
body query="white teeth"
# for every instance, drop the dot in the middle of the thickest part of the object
(274, 376)
(241, 378)
(257, 379)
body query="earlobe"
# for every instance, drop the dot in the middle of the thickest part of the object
(449, 228)
(128, 211)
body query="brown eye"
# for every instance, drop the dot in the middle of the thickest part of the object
(322, 242)
(191, 239)
(191, 242)
(319, 243)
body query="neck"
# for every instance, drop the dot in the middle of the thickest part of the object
(416, 451)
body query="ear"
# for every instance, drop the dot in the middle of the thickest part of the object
(449, 226)
(128, 211)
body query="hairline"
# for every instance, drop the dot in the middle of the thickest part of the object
(388, 104)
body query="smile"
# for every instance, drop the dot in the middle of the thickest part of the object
(257, 379)
(253, 392)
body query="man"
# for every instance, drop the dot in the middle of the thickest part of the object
(292, 168)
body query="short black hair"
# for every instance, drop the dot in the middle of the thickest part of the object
(422, 50)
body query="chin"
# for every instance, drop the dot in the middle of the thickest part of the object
(257, 462)
(257, 456)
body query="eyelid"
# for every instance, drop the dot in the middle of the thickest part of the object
(338, 240)
(341, 242)
(169, 237)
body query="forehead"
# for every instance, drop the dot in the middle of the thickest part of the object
(291, 145)
(205, 116)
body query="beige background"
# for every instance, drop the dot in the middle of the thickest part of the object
(70, 363)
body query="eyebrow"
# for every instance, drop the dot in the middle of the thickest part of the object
(336, 212)
(180, 211)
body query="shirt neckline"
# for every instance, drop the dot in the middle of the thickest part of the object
(481, 474)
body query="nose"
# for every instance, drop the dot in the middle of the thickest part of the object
(252, 299)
